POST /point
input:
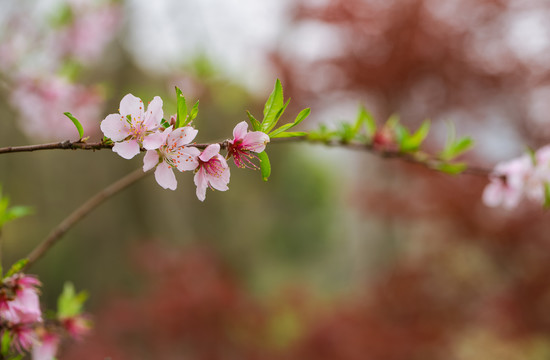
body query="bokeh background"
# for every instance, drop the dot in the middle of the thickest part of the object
(341, 255)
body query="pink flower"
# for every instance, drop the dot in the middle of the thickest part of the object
(46, 348)
(243, 143)
(212, 171)
(507, 182)
(134, 127)
(19, 303)
(173, 154)
(77, 326)
(41, 102)
(23, 337)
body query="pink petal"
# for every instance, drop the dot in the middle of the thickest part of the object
(115, 127)
(154, 141)
(209, 152)
(183, 136)
(150, 160)
(255, 141)
(201, 183)
(188, 159)
(127, 149)
(131, 105)
(240, 130)
(165, 176)
(220, 183)
(46, 349)
(154, 113)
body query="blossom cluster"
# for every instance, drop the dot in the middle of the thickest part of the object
(170, 147)
(21, 319)
(527, 176)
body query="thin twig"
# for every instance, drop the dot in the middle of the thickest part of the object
(430, 162)
(81, 212)
(67, 145)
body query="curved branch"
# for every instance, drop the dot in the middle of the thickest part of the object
(81, 212)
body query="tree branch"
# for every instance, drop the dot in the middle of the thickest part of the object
(81, 212)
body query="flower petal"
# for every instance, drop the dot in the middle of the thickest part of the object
(187, 158)
(220, 183)
(154, 113)
(165, 176)
(201, 183)
(183, 135)
(154, 141)
(209, 152)
(255, 141)
(150, 160)
(240, 130)
(127, 149)
(115, 127)
(131, 105)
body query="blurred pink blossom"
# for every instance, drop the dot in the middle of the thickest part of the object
(46, 347)
(41, 102)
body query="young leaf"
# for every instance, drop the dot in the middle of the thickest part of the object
(17, 267)
(69, 303)
(265, 166)
(272, 106)
(302, 115)
(546, 195)
(413, 142)
(277, 117)
(194, 111)
(289, 134)
(364, 117)
(6, 342)
(451, 168)
(256, 126)
(181, 112)
(76, 123)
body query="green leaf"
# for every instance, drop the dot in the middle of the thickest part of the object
(69, 302)
(17, 267)
(456, 148)
(17, 212)
(402, 134)
(256, 126)
(76, 123)
(302, 115)
(546, 195)
(194, 111)
(366, 118)
(6, 342)
(272, 107)
(181, 112)
(265, 166)
(277, 117)
(289, 134)
(413, 142)
(451, 168)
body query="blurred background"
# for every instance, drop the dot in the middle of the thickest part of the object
(341, 255)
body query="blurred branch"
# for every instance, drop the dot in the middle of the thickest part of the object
(82, 211)
(67, 145)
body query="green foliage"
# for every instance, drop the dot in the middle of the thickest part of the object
(76, 123)
(455, 147)
(365, 119)
(546, 195)
(17, 267)
(11, 213)
(256, 126)
(181, 111)
(165, 124)
(280, 132)
(411, 142)
(70, 303)
(274, 107)
(183, 115)
(265, 165)
(451, 168)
